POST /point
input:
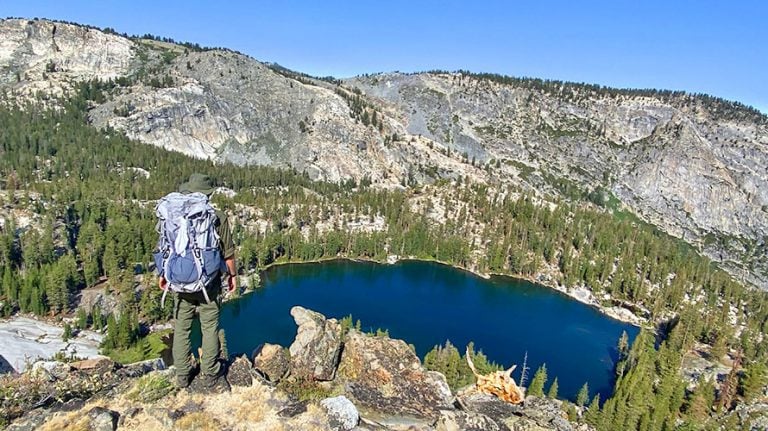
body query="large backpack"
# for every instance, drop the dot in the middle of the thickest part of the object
(188, 253)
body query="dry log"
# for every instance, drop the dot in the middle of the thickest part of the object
(498, 383)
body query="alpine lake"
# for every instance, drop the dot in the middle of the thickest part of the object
(427, 303)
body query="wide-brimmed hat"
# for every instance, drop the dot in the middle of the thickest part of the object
(199, 183)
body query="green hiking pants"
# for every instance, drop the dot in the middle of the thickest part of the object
(185, 305)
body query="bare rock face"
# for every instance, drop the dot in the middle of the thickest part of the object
(40, 55)
(386, 376)
(315, 351)
(272, 361)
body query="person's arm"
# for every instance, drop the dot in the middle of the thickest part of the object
(228, 252)
(232, 271)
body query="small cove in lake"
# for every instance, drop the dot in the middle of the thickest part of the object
(426, 303)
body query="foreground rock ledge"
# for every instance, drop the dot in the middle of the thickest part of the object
(378, 383)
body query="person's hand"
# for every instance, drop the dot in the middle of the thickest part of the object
(162, 282)
(232, 283)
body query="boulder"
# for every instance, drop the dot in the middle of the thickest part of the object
(342, 414)
(101, 419)
(129, 413)
(547, 413)
(71, 405)
(457, 420)
(239, 373)
(478, 402)
(31, 421)
(50, 370)
(6, 367)
(315, 351)
(534, 414)
(293, 409)
(94, 365)
(272, 361)
(138, 369)
(386, 376)
(164, 416)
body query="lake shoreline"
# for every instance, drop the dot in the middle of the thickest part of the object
(582, 295)
(428, 303)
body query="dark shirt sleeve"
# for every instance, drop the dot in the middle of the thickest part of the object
(226, 243)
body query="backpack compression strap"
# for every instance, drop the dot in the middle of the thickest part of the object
(165, 292)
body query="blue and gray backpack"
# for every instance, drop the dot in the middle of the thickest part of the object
(188, 253)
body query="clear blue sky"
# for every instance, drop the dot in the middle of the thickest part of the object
(715, 47)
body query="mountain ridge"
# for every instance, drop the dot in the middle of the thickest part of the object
(692, 165)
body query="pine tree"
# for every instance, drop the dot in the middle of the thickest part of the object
(111, 340)
(67, 332)
(583, 396)
(536, 388)
(552, 393)
(701, 400)
(82, 318)
(729, 388)
(592, 415)
(754, 380)
(98, 319)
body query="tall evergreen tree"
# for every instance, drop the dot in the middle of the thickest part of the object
(536, 388)
(754, 380)
(552, 393)
(583, 396)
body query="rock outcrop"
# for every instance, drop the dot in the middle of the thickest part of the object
(316, 349)
(50, 57)
(272, 361)
(239, 373)
(386, 375)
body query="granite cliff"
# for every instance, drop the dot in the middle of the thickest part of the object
(693, 165)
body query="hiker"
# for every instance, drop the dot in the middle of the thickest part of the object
(204, 301)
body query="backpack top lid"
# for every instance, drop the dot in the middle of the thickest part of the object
(178, 212)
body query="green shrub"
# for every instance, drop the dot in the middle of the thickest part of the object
(305, 389)
(149, 388)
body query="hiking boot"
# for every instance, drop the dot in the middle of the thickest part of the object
(214, 383)
(182, 381)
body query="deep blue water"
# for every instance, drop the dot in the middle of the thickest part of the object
(426, 304)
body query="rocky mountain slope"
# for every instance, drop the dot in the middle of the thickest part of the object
(693, 165)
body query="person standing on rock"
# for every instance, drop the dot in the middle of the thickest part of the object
(207, 304)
